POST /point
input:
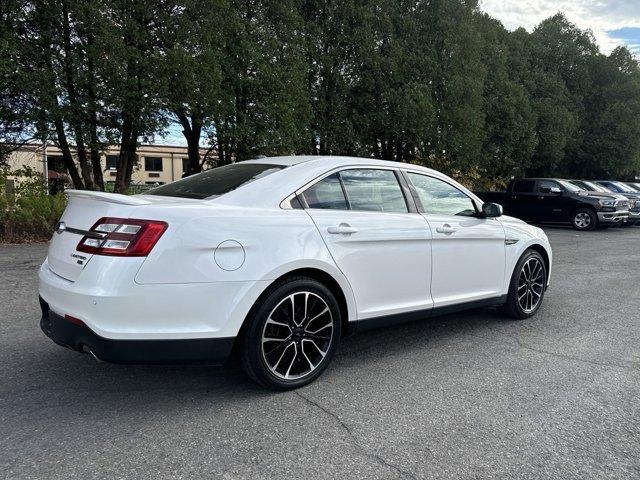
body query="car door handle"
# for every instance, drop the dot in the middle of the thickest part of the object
(446, 229)
(342, 229)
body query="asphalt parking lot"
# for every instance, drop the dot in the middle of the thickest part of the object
(470, 395)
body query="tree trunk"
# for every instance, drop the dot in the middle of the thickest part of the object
(191, 129)
(94, 146)
(76, 111)
(128, 157)
(66, 154)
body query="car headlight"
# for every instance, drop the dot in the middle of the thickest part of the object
(608, 203)
(637, 203)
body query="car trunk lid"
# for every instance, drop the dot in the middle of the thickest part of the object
(83, 210)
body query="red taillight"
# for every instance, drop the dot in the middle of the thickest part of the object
(122, 237)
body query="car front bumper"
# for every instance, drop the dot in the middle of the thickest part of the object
(613, 217)
(634, 216)
(74, 334)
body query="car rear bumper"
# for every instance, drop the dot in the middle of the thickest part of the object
(76, 335)
(113, 306)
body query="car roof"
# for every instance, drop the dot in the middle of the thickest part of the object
(299, 170)
(333, 161)
(285, 161)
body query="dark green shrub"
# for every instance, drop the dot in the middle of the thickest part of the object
(29, 214)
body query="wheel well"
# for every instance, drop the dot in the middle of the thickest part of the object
(322, 277)
(545, 256)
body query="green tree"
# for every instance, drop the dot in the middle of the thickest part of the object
(456, 138)
(191, 71)
(132, 44)
(392, 105)
(611, 141)
(510, 120)
(16, 125)
(556, 119)
(263, 108)
(334, 33)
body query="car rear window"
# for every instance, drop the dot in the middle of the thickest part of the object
(217, 181)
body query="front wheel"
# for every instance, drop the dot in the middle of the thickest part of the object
(584, 219)
(292, 334)
(527, 286)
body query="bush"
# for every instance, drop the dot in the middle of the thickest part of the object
(29, 214)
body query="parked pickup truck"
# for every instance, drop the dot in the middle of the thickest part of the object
(554, 200)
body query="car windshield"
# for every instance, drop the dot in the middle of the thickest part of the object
(623, 187)
(569, 186)
(217, 181)
(597, 188)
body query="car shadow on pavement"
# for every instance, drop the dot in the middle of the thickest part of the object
(72, 374)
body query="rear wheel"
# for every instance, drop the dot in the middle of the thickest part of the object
(292, 334)
(526, 290)
(584, 219)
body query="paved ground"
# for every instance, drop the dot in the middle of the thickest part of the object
(465, 396)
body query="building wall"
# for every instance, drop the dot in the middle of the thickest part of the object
(171, 163)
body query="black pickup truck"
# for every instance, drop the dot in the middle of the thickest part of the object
(559, 201)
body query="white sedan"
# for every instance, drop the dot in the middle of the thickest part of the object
(277, 259)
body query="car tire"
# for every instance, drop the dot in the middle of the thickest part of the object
(527, 286)
(291, 334)
(584, 219)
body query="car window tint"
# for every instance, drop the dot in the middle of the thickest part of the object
(216, 181)
(610, 186)
(327, 194)
(623, 188)
(570, 186)
(440, 198)
(547, 184)
(524, 186)
(373, 190)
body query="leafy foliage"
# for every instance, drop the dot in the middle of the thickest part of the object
(28, 213)
(437, 83)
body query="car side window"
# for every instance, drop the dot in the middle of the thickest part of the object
(326, 194)
(546, 184)
(373, 190)
(524, 186)
(440, 198)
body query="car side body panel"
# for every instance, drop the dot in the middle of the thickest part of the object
(219, 255)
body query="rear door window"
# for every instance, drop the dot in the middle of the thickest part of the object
(373, 190)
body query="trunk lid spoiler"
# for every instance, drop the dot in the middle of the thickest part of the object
(106, 197)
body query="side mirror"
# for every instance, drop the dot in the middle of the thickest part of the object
(491, 210)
